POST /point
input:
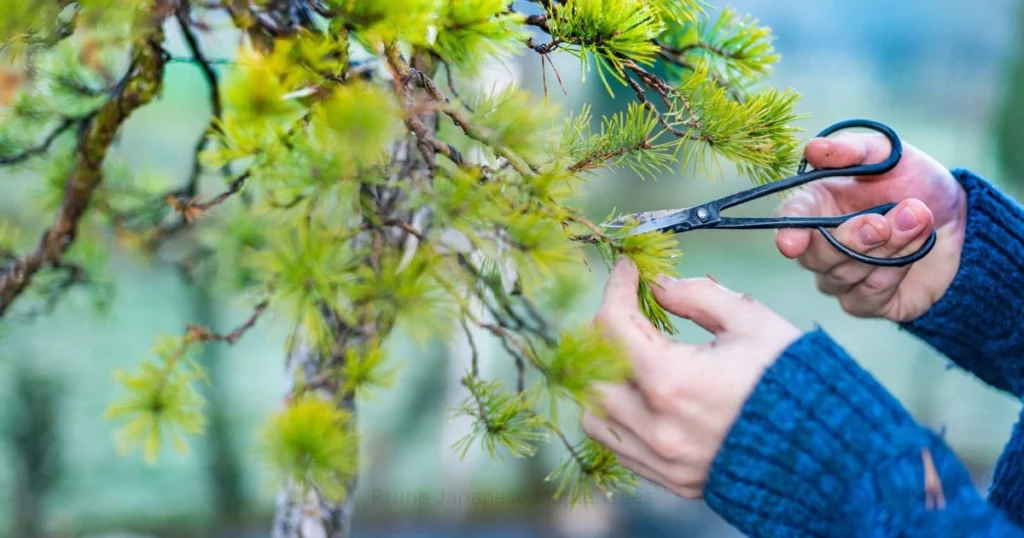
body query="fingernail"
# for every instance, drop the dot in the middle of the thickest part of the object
(906, 220)
(868, 236)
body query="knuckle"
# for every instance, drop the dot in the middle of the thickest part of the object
(854, 305)
(662, 395)
(605, 317)
(589, 425)
(690, 493)
(666, 442)
(879, 282)
(680, 476)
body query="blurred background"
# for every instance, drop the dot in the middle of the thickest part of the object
(945, 74)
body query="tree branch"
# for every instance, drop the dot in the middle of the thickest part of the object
(44, 146)
(202, 334)
(213, 87)
(142, 83)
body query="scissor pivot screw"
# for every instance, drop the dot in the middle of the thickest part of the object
(702, 213)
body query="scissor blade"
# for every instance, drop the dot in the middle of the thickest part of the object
(649, 220)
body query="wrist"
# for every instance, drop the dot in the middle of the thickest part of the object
(975, 320)
(814, 426)
(951, 236)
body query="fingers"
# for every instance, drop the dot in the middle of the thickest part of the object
(793, 242)
(619, 313)
(624, 404)
(847, 149)
(709, 305)
(864, 233)
(864, 289)
(616, 437)
(812, 200)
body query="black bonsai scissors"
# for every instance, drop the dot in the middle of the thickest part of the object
(708, 215)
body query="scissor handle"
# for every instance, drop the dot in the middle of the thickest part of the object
(900, 261)
(803, 176)
(822, 224)
(873, 169)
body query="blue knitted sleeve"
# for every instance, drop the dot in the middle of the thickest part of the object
(979, 322)
(822, 449)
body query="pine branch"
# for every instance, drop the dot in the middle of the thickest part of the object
(213, 87)
(429, 145)
(675, 57)
(141, 84)
(202, 334)
(463, 122)
(65, 125)
(74, 275)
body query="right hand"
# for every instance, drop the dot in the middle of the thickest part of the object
(928, 195)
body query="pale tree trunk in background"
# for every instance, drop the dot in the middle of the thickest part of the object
(313, 516)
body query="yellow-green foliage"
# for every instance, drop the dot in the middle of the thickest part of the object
(363, 198)
(613, 31)
(470, 30)
(309, 443)
(500, 418)
(162, 400)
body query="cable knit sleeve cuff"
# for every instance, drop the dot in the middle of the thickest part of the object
(977, 322)
(816, 445)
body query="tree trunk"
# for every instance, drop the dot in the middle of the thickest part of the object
(313, 516)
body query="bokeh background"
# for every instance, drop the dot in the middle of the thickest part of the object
(944, 74)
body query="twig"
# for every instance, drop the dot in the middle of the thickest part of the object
(666, 53)
(202, 334)
(44, 146)
(213, 87)
(475, 364)
(459, 118)
(76, 274)
(232, 189)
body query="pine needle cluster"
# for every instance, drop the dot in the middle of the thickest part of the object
(361, 198)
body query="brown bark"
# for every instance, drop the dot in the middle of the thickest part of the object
(140, 85)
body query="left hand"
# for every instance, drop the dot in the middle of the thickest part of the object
(668, 424)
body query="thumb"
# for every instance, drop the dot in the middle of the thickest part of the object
(619, 313)
(848, 149)
(711, 306)
(812, 200)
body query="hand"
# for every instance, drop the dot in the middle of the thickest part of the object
(669, 422)
(928, 195)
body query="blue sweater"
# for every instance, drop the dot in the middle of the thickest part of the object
(822, 449)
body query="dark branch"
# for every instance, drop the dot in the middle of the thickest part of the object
(202, 334)
(142, 83)
(74, 275)
(213, 87)
(44, 146)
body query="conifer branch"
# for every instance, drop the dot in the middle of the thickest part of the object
(182, 15)
(141, 84)
(675, 57)
(460, 119)
(74, 275)
(429, 145)
(203, 334)
(65, 125)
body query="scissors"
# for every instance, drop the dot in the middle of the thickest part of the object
(708, 215)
